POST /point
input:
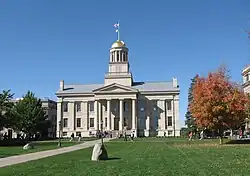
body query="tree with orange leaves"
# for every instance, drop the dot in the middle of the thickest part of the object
(218, 103)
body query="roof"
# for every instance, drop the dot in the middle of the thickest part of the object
(118, 43)
(154, 86)
(140, 86)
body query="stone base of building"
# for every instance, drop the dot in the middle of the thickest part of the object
(116, 133)
(168, 133)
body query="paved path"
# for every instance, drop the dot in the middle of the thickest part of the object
(43, 154)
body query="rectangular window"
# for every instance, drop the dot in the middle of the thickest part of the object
(142, 105)
(64, 133)
(155, 105)
(78, 122)
(170, 121)
(78, 106)
(91, 106)
(169, 105)
(115, 105)
(65, 106)
(106, 122)
(105, 106)
(125, 106)
(65, 122)
(53, 118)
(91, 122)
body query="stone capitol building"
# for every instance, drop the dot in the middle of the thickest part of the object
(120, 104)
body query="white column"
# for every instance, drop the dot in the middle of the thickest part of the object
(59, 116)
(85, 121)
(71, 119)
(176, 116)
(121, 116)
(115, 52)
(108, 115)
(96, 115)
(99, 114)
(133, 114)
(110, 57)
(163, 114)
(148, 110)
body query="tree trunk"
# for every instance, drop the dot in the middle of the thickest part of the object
(221, 139)
(221, 136)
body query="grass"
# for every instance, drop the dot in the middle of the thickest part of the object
(166, 157)
(39, 146)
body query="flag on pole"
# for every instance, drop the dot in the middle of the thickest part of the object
(116, 25)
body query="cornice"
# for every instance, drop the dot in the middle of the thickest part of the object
(246, 84)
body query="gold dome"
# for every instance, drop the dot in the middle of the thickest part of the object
(118, 43)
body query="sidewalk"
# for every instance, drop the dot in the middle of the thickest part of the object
(43, 154)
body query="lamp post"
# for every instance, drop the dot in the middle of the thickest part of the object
(59, 141)
(102, 131)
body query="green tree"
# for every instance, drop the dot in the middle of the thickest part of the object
(190, 120)
(29, 114)
(6, 109)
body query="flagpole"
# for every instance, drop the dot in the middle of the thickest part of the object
(118, 33)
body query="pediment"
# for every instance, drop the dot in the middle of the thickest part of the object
(115, 88)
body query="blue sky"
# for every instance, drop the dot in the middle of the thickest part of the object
(43, 42)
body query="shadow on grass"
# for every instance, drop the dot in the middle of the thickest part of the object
(113, 158)
(239, 141)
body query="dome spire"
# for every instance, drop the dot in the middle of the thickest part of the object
(117, 30)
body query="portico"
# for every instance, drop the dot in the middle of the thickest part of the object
(109, 116)
(119, 96)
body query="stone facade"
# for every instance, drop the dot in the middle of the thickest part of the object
(50, 110)
(246, 86)
(120, 104)
(246, 79)
(50, 107)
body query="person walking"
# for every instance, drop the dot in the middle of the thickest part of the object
(132, 135)
(125, 136)
(72, 137)
(190, 136)
(79, 137)
(201, 135)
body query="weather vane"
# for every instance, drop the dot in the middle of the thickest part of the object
(117, 29)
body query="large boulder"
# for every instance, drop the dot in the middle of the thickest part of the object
(28, 146)
(99, 152)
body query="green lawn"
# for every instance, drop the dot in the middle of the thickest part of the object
(145, 157)
(39, 146)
